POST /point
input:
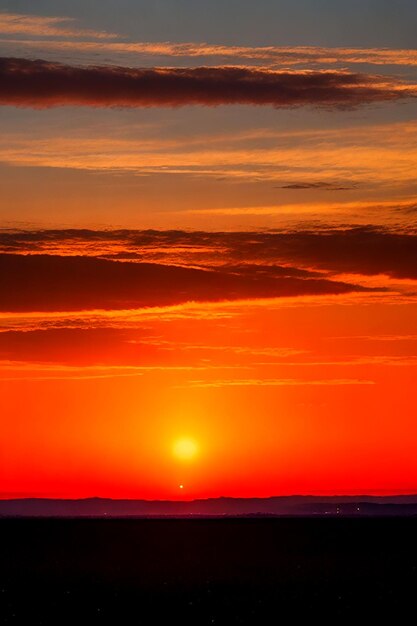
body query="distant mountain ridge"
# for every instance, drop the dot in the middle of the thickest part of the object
(299, 506)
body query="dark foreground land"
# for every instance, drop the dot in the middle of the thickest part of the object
(218, 571)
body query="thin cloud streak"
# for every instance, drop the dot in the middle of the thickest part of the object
(326, 161)
(222, 312)
(286, 56)
(128, 318)
(350, 210)
(34, 370)
(277, 382)
(41, 26)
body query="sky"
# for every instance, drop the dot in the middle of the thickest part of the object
(208, 248)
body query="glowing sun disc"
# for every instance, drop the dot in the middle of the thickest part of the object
(185, 449)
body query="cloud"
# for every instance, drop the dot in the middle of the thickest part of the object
(42, 84)
(265, 262)
(362, 250)
(278, 382)
(142, 346)
(89, 346)
(35, 371)
(41, 26)
(320, 186)
(81, 375)
(357, 250)
(287, 56)
(277, 54)
(361, 212)
(132, 319)
(156, 346)
(321, 160)
(54, 283)
(166, 268)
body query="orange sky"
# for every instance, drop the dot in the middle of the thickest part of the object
(282, 397)
(206, 263)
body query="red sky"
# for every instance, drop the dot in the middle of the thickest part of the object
(205, 242)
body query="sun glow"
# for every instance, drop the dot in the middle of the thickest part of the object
(185, 449)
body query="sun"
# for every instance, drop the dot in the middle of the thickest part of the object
(185, 449)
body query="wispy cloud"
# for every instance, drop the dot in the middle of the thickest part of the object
(43, 84)
(33, 370)
(222, 313)
(317, 185)
(389, 338)
(277, 382)
(30, 321)
(350, 210)
(345, 159)
(286, 56)
(42, 26)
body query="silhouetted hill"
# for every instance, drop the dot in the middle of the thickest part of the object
(274, 506)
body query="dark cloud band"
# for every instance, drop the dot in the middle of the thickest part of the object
(42, 84)
(360, 250)
(56, 283)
